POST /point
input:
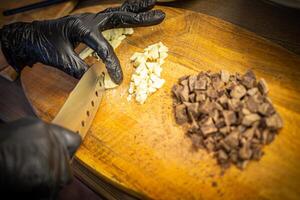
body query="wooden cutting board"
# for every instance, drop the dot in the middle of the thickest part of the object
(141, 148)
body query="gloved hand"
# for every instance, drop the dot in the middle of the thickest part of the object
(52, 42)
(34, 158)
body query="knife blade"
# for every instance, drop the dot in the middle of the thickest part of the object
(81, 106)
(79, 110)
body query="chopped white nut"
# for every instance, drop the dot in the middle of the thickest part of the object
(159, 83)
(139, 60)
(135, 55)
(129, 97)
(146, 77)
(113, 36)
(128, 31)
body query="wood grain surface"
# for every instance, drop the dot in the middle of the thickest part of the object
(141, 148)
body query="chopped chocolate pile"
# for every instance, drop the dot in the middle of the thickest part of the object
(229, 115)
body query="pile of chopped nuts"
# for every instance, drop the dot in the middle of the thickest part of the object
(146, 78)
(229, 115)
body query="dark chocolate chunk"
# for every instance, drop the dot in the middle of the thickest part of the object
(192, 81)
(231, 84)
(205, 107)
(266, 109)
(176, 91)
(200, 84)
(234, 156)
(249, 133)
(208, 127)
(224, 146)
(214, 114)
(220, 123)
(229, 117)
(222, 156)
(242, 164)
(232, 139)
(274, 122)
(181, 114)
(212, 93)
(223, 100)
(197, 141)
(194, 127)
(252, 105)
(217, 83)
(265, 136)
(183, 78)
(248, 120)
(225, 76)
(192, 97)
(201, 75)
(257, 135)
(252, 91)
(245, 152)
(184, 93)
(241, 128)
(193, 110)
(209, 144)
(249, 79)
(258, 98)
(217, 106)
(235, 104)
(262, 86)
(238, 92)
(200, 97)
(257, 153)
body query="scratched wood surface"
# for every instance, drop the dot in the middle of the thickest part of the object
(141, 148)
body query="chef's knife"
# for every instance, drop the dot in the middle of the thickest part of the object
(81, 106)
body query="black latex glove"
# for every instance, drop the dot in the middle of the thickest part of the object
(34, 158)
(52, 42)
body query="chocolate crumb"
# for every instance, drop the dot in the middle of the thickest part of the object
(214, 184)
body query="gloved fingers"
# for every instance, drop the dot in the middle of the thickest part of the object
(137, 6)
(128, 20)
(98, 43)
(66, 143)
(73, 65)
(65, 175)
(134, 6)
(71, 140)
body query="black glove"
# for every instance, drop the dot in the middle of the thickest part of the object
(52, 42)
(34, 158)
